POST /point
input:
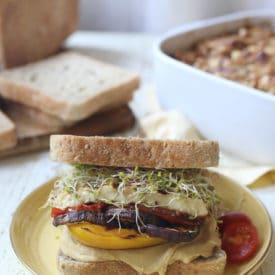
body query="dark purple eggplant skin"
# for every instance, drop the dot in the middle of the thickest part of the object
(107, 218)
(150, 224)
(178, 234)
(80, 216)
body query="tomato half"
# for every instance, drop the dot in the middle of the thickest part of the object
(240, 241)
(232, 217)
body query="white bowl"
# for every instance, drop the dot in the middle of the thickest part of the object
(241, 118)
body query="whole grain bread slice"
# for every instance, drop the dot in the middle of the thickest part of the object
(30, 122)
(8, 137)
(211, 266)
(69, 85)
(33, 135)
(131, 152)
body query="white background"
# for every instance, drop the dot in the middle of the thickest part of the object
(156, 15)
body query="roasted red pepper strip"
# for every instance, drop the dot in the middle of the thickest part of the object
(171, 216)
(97, 207)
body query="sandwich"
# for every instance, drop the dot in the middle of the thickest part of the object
(67, 93)
(136, 206)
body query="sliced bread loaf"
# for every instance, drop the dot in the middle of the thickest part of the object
(33, 134)
(34, 29)
(69, 85)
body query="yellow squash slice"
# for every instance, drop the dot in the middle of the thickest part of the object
(100, 237)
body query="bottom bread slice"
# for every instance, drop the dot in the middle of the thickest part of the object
(211, 266)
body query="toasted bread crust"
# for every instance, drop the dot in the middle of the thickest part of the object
(212, 266)
(131, 152)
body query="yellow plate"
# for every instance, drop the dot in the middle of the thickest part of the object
(35, 241)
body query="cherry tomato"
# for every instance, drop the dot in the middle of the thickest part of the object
(231, 217)
(240, 238)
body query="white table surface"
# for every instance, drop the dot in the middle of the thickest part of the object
(20, 175)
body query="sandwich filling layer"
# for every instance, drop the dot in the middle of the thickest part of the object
(171, 205)
(150, 259)
(189, 191)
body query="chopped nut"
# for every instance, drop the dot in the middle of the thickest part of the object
(270, 50)
(242, 32)
(247, 56)
(214, 63)
(263, 82)
(236, 55)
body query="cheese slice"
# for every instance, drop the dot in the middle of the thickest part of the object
(151, 259)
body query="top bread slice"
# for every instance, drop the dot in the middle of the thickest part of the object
(69, 85)
(34, 29)
(131, 152)
(8, 137)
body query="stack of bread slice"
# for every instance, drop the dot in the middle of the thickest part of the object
(7, 132)
(66, 93)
